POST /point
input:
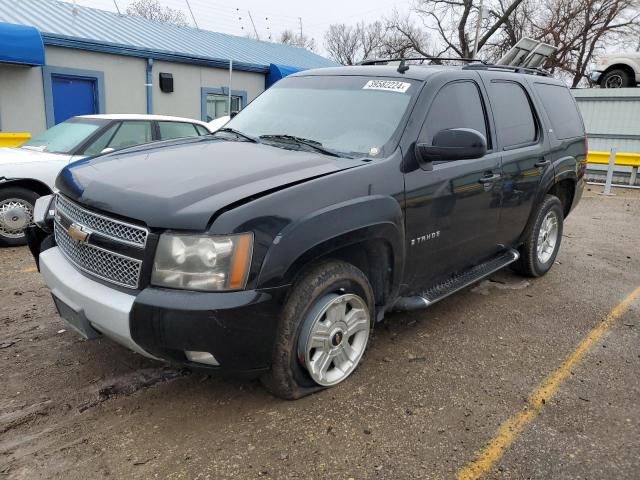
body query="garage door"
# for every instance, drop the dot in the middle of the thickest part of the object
(73, 96)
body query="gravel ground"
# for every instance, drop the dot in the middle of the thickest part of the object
(433, 389)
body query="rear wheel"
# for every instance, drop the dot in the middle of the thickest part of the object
(542, 240)
(324, 330)
(16, 214)
(617, 78)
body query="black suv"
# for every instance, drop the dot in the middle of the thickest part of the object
(274, 246)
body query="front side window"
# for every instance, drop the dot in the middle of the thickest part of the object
(131, 133)
(66, 136)
(515, 123)
(457, 105)
(169, 130)
(349, 114)
(102, 141)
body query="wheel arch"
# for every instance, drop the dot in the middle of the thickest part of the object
(34, 185)
(367, 232)
(620, 65)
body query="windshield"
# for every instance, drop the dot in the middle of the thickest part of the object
(66, 136)
(352, 115)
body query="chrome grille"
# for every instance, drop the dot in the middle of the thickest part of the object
(115, 229)
(97, 261)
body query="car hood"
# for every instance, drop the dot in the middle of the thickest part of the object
(13, 156)
(181, 185)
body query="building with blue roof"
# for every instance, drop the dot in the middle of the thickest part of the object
(58, 59)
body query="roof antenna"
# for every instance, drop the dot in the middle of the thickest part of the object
(403, 67)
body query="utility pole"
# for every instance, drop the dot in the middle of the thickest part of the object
(480, 14)
(300, 19)
(254, 25)
(192, 16)
(117, 8)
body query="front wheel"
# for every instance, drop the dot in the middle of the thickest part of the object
(542, 240)
(323, 332)
(617, 78)
(16, 214)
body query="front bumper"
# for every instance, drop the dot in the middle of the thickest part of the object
(595, 76)
(237, 328)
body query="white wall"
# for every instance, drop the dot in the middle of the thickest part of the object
(21, 99)
(187, 82)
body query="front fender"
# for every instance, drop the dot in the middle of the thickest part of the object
(375, 217)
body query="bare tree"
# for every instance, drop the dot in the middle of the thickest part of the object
(455, 20)
(288, 37)
(152, 10)
(393, 37)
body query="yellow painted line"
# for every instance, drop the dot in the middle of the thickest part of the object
(509, 430)
(29, 270)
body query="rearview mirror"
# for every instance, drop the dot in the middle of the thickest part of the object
(453, 144)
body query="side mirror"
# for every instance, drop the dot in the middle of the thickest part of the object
(107, 150)
(233, 113)
(453, 144)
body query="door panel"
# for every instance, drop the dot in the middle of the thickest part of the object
(521, 138)
(451, 217)
(73, 96)
(452, 208)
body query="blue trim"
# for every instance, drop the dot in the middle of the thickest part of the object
(277, 72)
(47, 71)
(21, 45)
(204, 91)
(69, 42)
(149, 86)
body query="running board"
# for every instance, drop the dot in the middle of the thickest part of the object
(455, 283)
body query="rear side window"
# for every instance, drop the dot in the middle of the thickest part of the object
(561, 109)
(515, 123)
(457, 105)
(169, 130)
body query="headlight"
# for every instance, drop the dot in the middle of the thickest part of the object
(202, 262)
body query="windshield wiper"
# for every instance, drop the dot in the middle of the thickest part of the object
(238, 133)
(302, 141)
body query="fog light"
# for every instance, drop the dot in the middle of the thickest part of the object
(201, 357)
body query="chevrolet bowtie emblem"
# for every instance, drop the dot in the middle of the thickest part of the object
(76, 232)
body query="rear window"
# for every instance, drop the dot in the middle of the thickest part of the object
(515, 123)
(562, 111)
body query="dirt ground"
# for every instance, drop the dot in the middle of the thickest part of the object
(433, 389)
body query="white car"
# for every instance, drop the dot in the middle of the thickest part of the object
(218, 123)
(617, 71)
(30, 171)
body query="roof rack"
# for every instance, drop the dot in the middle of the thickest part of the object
(402, 61)
(384, 61)
(510, 68)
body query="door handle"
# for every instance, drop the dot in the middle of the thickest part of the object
(542, 163)
(490, 178)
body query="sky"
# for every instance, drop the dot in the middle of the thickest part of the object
(271, 18)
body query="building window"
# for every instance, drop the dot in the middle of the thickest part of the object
(215, 102)
(218, 106)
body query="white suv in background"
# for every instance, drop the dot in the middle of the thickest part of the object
(617, 71)
(29, 171)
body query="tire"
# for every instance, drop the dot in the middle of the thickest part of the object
(332, 284)
(16, 210)
(535, 262)
(617, 78)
